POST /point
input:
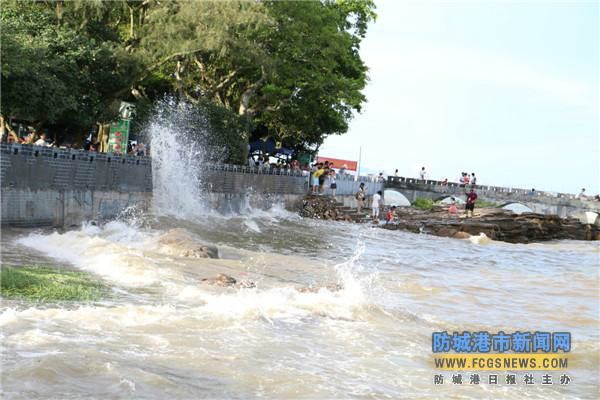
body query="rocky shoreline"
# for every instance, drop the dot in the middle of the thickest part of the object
(495, 223)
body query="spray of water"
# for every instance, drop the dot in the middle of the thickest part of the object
(179, 146)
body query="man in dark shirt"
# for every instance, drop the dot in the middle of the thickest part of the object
(470, 206)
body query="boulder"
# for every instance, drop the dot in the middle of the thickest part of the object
(496, 224)
(220, 280)
(181, 243)
(224, 280)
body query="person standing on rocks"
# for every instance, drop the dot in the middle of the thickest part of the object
(423, 173)
(332, 182)
(360, 197)
(470, 206)
(324, 169)
(318, 178)
(314, 181)
(376, 205)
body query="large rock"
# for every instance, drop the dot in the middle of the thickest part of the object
(181, 243)
(224, 280)
(496, 224)
(324, 207)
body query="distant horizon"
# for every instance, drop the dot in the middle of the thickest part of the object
(506, 90)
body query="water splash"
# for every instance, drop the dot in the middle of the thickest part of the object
(179, 147)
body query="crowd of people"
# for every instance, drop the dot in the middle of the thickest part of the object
(262, 161)
(466, 179)
(320, 173)
(40, 138)
(323, 175)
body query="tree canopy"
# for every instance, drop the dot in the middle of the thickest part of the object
(291, 68)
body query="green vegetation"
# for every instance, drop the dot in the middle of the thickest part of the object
(423, 204)
(289, 70)
(48, 284)
(485, 203)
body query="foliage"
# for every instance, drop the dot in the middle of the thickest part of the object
(48, 284)
(485, 203)
(318, 77)
(51, 74)
(221, 134)
(423, 204)
(228, 131)
(289, 69)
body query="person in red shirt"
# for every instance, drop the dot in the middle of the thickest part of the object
(389, 217)
(470, 206)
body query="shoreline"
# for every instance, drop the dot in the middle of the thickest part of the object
(495, 223)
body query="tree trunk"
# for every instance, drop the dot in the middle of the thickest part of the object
(59, 11)
(130, 22)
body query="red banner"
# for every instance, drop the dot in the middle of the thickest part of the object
(337, 163)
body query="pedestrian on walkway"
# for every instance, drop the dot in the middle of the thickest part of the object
(360, 197)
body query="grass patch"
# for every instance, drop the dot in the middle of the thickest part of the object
(48, 284)
(423, 204)
(485, 203)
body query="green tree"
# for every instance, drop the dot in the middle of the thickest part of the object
(53, 74)
(290, 69)
(318, 74)
(293, 67)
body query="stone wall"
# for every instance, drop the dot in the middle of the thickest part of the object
(46, 186)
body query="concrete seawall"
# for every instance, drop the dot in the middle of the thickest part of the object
(232, 188)
(53, 187)
(43, 186)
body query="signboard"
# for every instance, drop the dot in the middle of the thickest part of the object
(338, 163)
(118, 137)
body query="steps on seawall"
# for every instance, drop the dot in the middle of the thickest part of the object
(327, 208)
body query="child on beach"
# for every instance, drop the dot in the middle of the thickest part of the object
(332, 182)
(453, 209)
(391, 215)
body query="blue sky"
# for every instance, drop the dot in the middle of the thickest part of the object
(508, 90)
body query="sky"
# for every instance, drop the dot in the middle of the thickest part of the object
(505, 89)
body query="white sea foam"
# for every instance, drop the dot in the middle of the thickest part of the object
(114, 251)
(482, 238)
